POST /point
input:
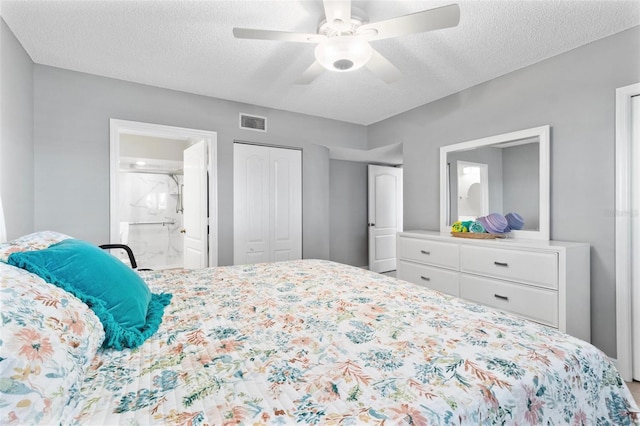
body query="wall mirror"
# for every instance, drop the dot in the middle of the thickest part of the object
(498, 174)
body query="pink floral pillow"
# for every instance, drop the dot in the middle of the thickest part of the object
(48, 338)
(36, 241)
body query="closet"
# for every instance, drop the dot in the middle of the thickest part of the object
(267, 203)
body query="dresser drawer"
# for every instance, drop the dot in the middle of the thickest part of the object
(524, 266)
(435, 278)
(534, 303)
(428, 251)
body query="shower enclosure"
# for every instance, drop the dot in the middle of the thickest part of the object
(151, 212)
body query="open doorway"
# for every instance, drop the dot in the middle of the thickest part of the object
(161, 206)
(473, 190)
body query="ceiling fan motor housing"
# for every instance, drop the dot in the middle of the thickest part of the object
(343, 53)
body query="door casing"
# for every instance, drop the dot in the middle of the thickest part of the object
(623, 216)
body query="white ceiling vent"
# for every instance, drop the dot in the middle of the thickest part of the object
(253, 122)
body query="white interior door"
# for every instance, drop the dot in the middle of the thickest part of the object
(385, 216)
(195, 199)
(285, 169)
(267, 204)
(635, 233)
(250, 204)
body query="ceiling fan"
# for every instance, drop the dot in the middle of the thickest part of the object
(343, 38)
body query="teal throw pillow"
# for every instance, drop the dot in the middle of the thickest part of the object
(129, 312)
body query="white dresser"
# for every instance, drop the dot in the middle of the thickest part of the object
(544, 281)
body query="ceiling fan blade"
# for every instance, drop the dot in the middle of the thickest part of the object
(380, 66)
(277, 35)
(310, 73)
(337, 10)
(427, 20)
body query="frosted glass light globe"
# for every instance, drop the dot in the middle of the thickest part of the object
(343, 53)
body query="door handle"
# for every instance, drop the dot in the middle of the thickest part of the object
(371, 224)
(498, 296)
(183, 231)
(501, 263)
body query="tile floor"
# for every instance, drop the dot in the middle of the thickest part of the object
(634, 387)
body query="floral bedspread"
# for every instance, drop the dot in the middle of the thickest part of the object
(316, 342)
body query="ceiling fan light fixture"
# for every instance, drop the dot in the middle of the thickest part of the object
(343, 53)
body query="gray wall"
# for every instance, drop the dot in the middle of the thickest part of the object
(575, 94)
(348, 239)
(72, 112)
(16, 135)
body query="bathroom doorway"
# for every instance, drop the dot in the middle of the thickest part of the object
(149, 210)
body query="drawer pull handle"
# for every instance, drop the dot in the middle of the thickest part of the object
(497, 296)
(501, 264)
(425, 252)
(425, 278)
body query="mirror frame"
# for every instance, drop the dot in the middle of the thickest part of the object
(543, 133)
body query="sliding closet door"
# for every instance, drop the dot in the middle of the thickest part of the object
(267, 204)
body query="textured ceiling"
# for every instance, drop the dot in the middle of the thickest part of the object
(189, 46)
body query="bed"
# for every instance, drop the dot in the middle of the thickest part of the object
(309, 342)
